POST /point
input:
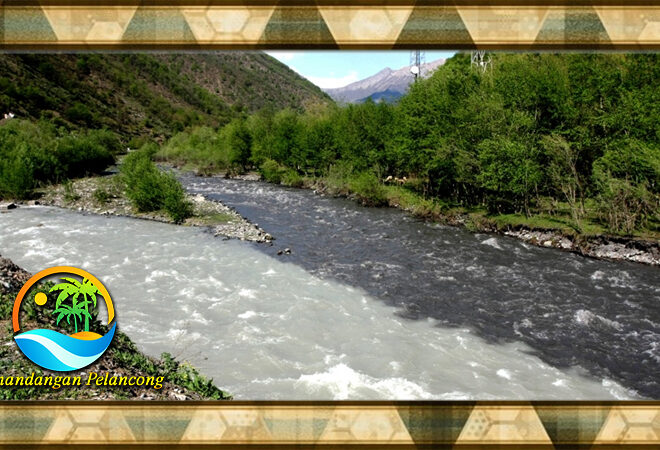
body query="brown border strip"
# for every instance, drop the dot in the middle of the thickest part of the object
(415, 424)
(83, 25)
(337, 3)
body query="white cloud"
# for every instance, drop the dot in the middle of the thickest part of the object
(282, 55)
(334, 82)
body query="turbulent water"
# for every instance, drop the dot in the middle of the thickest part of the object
(370, 304)
(571, 311)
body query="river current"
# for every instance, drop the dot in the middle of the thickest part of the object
(370, 304)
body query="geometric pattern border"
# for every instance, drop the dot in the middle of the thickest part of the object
(325, 424)
(56, 25)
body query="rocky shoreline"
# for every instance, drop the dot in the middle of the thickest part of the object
(223, 221)
(611, 248)
(104, 195)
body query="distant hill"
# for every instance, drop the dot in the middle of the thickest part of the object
(153, 94)
(387, 85)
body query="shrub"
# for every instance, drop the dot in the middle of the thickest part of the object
(292, 178)
(79, 113)
(624, 207)
(149, 189)
(143, 182)
(101, 196)
(174, 199)
(271, 171)
(32, 154)
(202, 147)
(368, 189)
(70, 194)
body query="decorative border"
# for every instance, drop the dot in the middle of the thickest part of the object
(234, 24)
(327, 424)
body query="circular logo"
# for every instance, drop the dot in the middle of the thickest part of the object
(74, 308)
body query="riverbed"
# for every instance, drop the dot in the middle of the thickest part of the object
(370, 304)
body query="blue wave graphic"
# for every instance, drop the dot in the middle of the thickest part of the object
(59, 352)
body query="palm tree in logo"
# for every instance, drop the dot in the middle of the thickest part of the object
(81, 294)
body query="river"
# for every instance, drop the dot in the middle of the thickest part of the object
(370, 304)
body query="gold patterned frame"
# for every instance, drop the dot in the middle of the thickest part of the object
(463, 425)
(382, 24)
(460, 24)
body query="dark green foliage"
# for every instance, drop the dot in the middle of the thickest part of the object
(239, 143)
(34, 154)
(271, 171)
(535, 130)
(174, 199)
(368, 189)
(149, 189)
(510, 174)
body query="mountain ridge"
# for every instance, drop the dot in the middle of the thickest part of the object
(387, 84)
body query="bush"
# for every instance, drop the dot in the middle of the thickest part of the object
(101, 196)
(32, 154)
(149, 189)
(292, 178)
(624, 207)
(368, 189)
(143, 182)
(271, 171)
(174, 199)
(202, 147)
(79, 113)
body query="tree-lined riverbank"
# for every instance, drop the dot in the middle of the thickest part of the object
(561, 142)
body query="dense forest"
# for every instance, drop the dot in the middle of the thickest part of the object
(563, 141)
(572, 140)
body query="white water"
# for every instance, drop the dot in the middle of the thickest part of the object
(265, 329)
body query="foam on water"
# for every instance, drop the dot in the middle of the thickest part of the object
(265, 329)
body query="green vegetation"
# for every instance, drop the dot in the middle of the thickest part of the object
(569, 141)
(148, 94)
(149, 189)
(33, 154)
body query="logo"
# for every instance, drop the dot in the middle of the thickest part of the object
(74, 310)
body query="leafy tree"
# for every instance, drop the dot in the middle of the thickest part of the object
(511, 171)
(563, 173)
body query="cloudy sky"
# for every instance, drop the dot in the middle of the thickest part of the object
(333, 68)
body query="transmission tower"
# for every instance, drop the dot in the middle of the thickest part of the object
(481, 60)
(417, 61)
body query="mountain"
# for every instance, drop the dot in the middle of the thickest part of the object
(387, 85)
(149, 94)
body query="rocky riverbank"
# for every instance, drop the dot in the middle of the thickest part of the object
(180, 380)
(613, 248)
(105, 195)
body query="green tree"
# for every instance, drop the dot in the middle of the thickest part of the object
(510, 170)
(563, 173)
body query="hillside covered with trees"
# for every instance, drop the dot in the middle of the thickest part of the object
(568, 141)
(152, 95)
(74, 113)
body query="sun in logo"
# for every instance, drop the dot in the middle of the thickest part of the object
(75, 307)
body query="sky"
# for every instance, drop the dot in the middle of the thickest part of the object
(334, 68)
